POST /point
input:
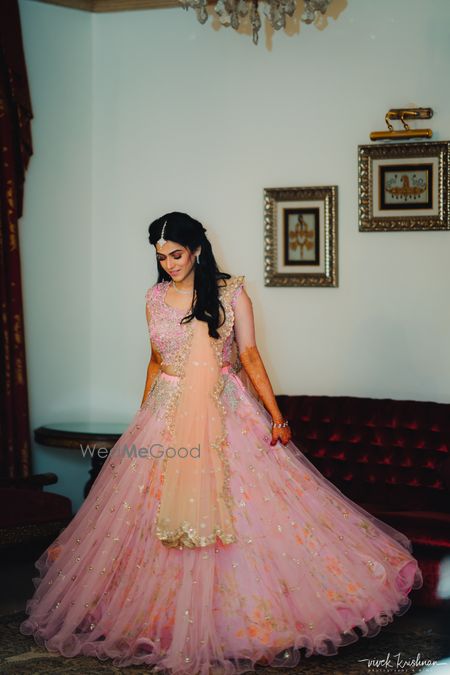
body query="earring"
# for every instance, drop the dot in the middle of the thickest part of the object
(198, 258)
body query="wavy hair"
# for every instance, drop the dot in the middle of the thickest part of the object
(190, 233)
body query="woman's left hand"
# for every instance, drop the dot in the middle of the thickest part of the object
(283, 435)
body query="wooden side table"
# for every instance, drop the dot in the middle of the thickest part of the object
(99, 436)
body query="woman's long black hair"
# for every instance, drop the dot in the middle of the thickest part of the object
(188, 232)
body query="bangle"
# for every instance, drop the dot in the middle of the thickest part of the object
(280, 425)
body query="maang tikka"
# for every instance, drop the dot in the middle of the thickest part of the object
(161, 241)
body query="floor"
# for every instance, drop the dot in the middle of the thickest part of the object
(16, 586)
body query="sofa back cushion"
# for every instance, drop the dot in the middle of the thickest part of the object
(376, 451)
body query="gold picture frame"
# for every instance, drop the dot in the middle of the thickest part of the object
(404, 186)
(300, 236)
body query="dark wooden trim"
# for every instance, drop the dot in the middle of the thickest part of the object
(57, 438)
(113, 5)
(38, 480)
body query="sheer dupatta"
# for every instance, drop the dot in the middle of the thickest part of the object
(196, 502)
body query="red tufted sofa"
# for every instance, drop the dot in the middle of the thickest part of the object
(391, 457)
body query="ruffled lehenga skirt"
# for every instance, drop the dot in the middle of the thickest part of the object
(309, 572)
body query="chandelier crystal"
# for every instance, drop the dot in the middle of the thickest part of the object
(230, 12)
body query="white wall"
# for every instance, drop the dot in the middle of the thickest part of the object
(56, 230)
(195, 118)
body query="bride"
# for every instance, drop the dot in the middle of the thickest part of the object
(226, 547)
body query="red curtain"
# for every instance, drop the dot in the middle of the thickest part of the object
(15, 152)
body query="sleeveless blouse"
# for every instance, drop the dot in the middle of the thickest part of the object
(171, 338)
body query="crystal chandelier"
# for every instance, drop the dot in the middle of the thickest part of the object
(231, 12)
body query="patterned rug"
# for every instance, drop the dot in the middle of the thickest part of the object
(389, 652)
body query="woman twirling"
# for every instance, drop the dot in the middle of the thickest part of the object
(208, 542)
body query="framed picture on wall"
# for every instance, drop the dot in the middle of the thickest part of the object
(404, 186)
(300, 241)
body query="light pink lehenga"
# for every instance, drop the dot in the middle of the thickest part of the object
(203, 549)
